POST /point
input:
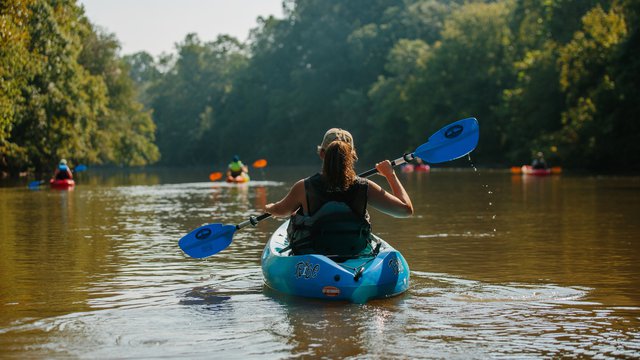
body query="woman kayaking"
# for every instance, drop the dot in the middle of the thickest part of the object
(326, 250)
(237, 171)
(62, 172)
(338, 183)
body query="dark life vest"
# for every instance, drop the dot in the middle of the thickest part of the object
(63, 173)
(337, 224)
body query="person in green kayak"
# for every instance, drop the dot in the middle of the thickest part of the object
(327, 193)
(236, 167)
(62, 172)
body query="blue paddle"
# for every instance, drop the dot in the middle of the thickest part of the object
(449, 143)
(35, 184)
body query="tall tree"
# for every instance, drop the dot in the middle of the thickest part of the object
(463, 75)
(64, 92)
(125, 132)
(587, 77)
(62, 101)
(187, 100)
(17, 65)
(532, 108)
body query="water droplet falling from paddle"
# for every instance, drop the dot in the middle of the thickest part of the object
(486, 186)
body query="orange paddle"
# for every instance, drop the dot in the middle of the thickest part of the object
(215, 176)
(260, 163)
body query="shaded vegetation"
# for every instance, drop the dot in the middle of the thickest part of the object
(554, 76)
(65, 93)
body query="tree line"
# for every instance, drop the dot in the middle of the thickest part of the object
(65, 92)
(554, 76)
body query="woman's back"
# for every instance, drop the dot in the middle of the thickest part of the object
(318, 193)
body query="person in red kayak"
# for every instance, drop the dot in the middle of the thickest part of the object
(62, 172)
(335, 186)
(539, 162)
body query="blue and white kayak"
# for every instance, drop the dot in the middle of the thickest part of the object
(317, 276)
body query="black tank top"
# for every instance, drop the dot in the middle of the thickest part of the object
(341, 235)
(318, 194)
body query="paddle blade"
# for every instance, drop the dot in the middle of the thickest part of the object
(260, 163)
(516, 170)
(35, 184)
(556, 170)
(80, 168)
(451, 142)
(215, 176)
(207, 240)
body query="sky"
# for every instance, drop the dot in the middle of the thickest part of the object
(155, 26)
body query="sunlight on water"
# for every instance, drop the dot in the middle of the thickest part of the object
(442, 316)
(101, 276)
(534, 319)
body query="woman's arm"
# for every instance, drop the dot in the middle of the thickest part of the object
(397, 204)
(290, 203)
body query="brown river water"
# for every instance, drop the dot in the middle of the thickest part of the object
(502, 266)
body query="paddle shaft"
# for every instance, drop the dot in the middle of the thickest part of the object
(254, 220)
(399, 161)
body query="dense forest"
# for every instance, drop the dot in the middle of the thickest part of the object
(65, 93)
(559, 76)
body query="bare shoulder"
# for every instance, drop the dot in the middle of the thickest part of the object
(297, 190)
(373, 186)
(298, 185)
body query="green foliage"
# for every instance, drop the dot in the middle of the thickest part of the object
(188, 99)
(532, 107)
(126, 131)
(588, 82)
(16, 65)
(566, 92)
(394, 99)
(392, 72)
(553, 76)
(461, 75)
(64, 92)
(61, 100)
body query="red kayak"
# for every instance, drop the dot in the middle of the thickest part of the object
(63, 184)
(528, 170)
(408, 168)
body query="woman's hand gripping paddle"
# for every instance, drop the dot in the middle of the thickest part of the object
(449, 143)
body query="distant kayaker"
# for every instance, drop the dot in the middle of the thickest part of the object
(338, 183)
(62, 172)
(539, 162)
(236, 167)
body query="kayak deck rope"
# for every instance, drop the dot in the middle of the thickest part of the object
(358, 271)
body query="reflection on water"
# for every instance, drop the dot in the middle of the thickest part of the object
(502, 266)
